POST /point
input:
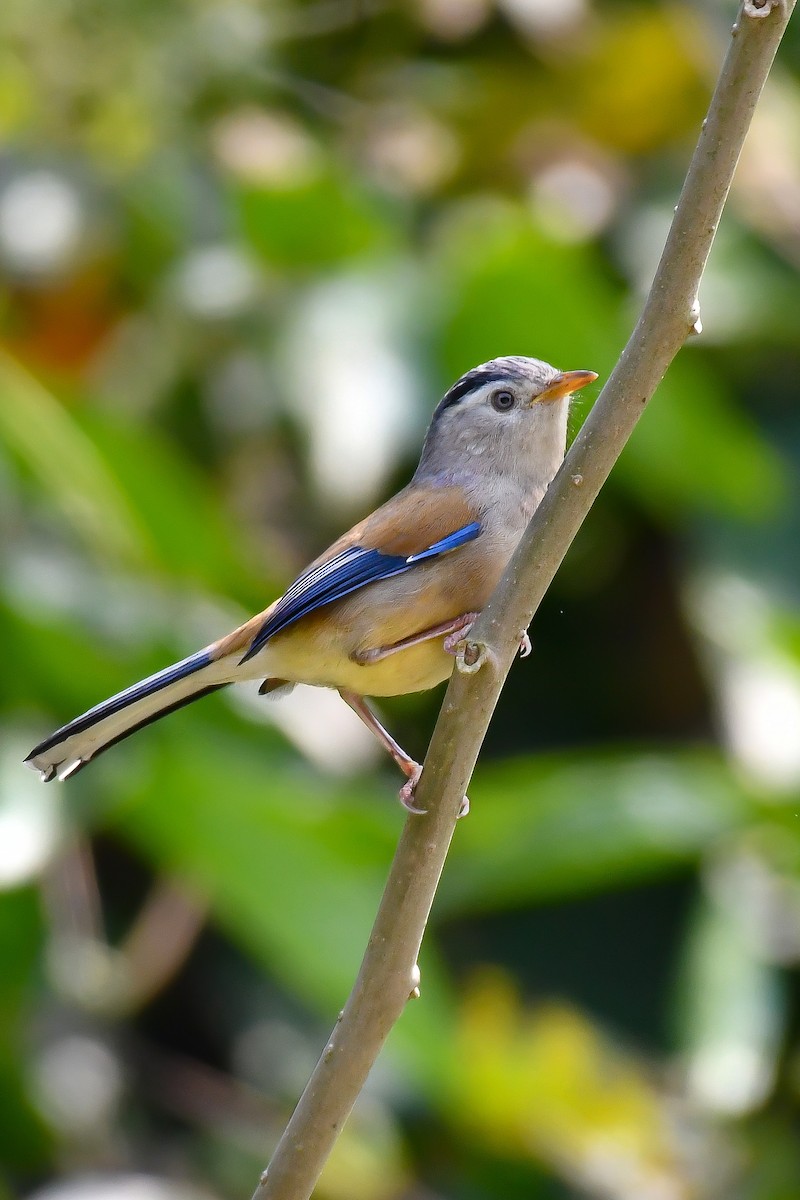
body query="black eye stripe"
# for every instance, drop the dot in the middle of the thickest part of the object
(472, 382)
(468, 384)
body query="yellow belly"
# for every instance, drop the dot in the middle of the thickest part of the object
(320, 648)
(305, 654)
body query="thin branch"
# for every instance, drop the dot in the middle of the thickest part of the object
(162, 937)
(388, 974)
(111, 980)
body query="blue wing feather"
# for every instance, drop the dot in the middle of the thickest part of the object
(346, 572)
(451, 542)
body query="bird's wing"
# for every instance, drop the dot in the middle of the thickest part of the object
(416, 526)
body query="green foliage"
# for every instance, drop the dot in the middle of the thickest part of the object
(243, 249)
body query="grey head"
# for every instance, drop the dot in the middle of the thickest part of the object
(505, 418)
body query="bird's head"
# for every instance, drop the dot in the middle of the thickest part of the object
(508, 415)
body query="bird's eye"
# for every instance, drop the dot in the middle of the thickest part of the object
(503, 401)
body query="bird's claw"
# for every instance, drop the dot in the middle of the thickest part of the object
(456, 640)
(409, 788)
(454, 643)
(407, 792)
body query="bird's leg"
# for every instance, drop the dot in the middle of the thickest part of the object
(411, 769)
(457, 636)
(454, 644)
(455, 626)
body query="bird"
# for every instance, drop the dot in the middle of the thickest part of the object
(383, 610)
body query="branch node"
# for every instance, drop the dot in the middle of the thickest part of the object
(760, 8)
(472, 656)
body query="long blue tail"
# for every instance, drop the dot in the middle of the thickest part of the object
(74, 745)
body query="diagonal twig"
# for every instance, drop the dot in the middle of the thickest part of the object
(388, 974)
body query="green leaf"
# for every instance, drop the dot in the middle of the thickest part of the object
(68, 466)
(192, 535)
(509, 290)
(693, 449)
(23, 1141)
(556, 826)
(313, 224)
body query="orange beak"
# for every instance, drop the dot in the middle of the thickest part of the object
(564, 385)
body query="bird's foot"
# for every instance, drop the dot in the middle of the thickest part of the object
(413, 770)
(456, 640)
(457, 644)
(409, 788)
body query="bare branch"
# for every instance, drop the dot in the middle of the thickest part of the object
(387, 976)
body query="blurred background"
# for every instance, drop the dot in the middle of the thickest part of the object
(244, 247)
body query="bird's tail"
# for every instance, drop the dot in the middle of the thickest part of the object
(75, 744)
